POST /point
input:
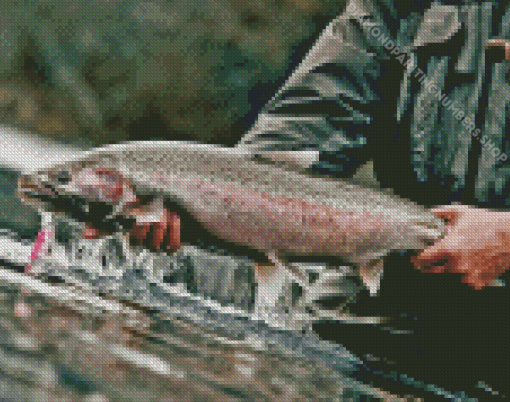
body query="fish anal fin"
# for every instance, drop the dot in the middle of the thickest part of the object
(371, 274)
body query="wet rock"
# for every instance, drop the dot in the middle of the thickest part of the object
(166, 346)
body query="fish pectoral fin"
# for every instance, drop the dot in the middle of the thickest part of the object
(371, 274)
(150, 213)
(294, 273)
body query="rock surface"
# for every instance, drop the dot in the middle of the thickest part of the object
(136, 338)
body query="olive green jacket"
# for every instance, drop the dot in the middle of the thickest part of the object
(419, 96)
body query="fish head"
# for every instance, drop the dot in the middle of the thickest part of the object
(53, 188)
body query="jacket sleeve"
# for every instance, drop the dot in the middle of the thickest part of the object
(326, 105)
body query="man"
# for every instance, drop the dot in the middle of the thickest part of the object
(350, 101)
(421, 88)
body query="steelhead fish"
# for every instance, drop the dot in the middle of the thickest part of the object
(236, 197)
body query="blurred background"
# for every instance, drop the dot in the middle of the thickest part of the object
(107, 71)
(97, 72)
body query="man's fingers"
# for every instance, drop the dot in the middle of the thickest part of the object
(140, 231)
(435, 270)
(158, 233)
(449, 215)
(471, 270)
(481, 278)
(474, 280)
(432, 254)
(91, 233)
(174, 230)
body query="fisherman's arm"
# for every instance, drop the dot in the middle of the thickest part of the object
(319, 118)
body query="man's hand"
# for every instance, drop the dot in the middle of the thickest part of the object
(163, 234)
(476, 244)
(157, 228)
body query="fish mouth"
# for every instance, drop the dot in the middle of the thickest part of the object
(31, 191)
(45, 197)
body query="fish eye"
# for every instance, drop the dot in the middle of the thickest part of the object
(63, 177)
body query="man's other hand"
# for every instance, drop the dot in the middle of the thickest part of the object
(476, 244)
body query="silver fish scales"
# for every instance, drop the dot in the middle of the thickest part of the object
(277, 211)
